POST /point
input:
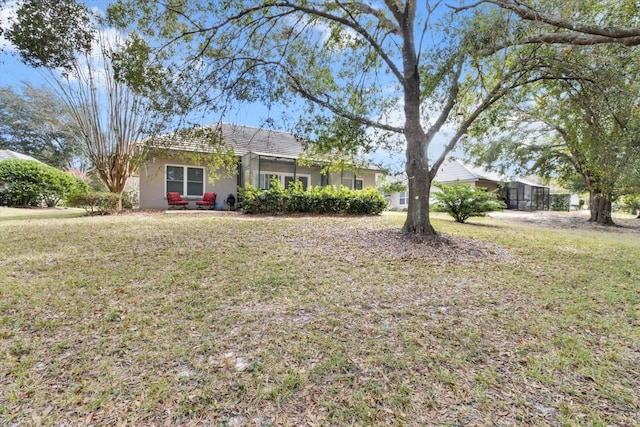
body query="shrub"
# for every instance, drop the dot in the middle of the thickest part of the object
(29, 183)
(560, 202)
(630, 204)
(95, 202)
(320, 200)
(463, 201)
(130, 199)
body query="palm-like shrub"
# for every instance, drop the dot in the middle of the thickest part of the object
(463, 201)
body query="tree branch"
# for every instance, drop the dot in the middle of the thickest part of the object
(581, 33)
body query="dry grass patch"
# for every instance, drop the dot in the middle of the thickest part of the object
(202, 320)
(38, 213)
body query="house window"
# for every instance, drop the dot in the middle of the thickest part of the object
(186, 180)
(284, 178)
(404, 198)
(265, 180)
(349, 183)
(303, 179)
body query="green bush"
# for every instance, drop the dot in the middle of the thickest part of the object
(630, 204)
(29, 183)
(319, 200)
(560, 202)
(130, 199)
(95, 202)
(463, 201)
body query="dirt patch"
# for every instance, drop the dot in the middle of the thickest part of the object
(568, 220)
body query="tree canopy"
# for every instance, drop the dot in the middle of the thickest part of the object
(36, 122)
(570, 22)
(50, 33)
(584, 123)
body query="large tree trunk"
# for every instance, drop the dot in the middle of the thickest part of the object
(417, 168)
(419, 186)
(600, 206)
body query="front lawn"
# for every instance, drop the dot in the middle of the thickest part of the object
(39, 213)
(214, 320)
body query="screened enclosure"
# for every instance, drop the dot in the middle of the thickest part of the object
(524, 196)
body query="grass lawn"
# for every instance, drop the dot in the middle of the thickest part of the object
(155, 319)
(39, 213)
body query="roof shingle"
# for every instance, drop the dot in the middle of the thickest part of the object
(243, 140)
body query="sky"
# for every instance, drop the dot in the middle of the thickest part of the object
(14, 73)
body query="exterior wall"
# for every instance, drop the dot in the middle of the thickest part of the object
(153, 186)
(394, 201)
(368, 178)
(152, 180)
(488, 185)
(273, 166)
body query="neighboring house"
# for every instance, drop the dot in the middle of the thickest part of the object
(8, 154)
(262, 154)
(517, 194)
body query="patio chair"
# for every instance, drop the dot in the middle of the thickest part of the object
(209, 199)
(174, 199)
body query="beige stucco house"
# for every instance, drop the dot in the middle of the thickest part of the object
(262, 155)
(517, 193)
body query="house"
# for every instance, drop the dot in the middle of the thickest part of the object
(262, 155)
(518, 194)
(8, 154)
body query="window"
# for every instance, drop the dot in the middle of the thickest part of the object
(349, 183)
(303, 179)
(265, 180)
(186, 180)
(284, 178)
(404, 198)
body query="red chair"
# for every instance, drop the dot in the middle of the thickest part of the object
(174, 199)
(209, 199)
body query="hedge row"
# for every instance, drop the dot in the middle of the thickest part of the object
(318, 200)
(29, 183)
(95, 202)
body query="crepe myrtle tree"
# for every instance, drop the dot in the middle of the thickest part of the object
(109, 118)
(395, 73)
